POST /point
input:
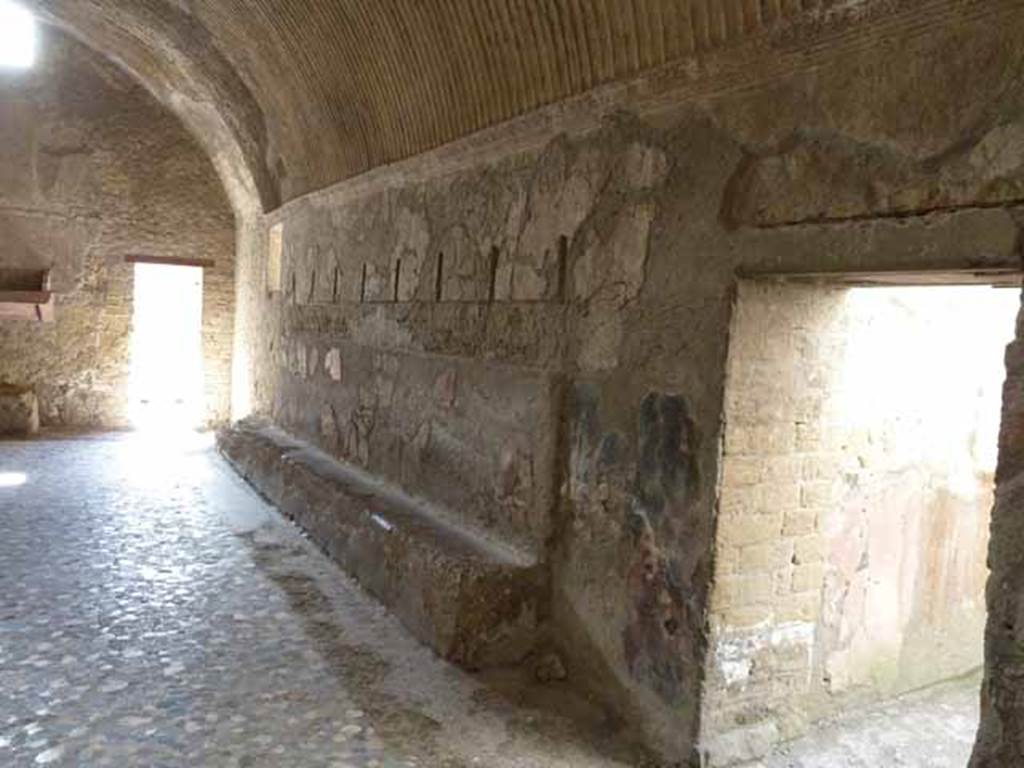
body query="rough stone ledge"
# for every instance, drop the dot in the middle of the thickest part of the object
(474, 601)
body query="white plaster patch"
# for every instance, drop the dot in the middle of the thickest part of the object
(381, 523)
(275, 251)
(735, 671)
(332, 363)
(735, 652)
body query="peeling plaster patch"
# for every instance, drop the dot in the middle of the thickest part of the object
(608, 276)
(612, 267)
(667, 478)
(741, 745)
(411, 250)
(1000, 152)
(275, 257)
(385, 367)
(332, 364)
(329, 426)
(645, 167)
(835, 178)
(378, 329)
(464, 276)
(378, 285)
(445, 388)
(735, 653)
(659, 640)
(560, 198)
(735, 671)
(600, 346)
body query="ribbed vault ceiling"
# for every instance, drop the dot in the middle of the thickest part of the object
(305, 93)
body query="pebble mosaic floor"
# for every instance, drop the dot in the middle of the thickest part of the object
(155, 612)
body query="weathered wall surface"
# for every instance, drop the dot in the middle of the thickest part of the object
(92, 170)
(592, 271)
(857, 477)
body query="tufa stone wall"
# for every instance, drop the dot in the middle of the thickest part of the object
(530, 328)
(93, 170)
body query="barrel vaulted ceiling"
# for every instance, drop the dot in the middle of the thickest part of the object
(294, 95)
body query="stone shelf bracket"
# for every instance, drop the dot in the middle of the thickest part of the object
(25, 295)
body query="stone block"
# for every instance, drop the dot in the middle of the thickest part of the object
(816, 494)
(763, 558)
(807, 578)
(802, 607)
(741, 471)
(745, 590)
(741, 617)
(784, 494)
(756, 529)
(19, 411)
(809, 549)
(800, 522)
(747, 500)
(741, 745)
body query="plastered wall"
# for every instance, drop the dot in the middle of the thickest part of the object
(93, 170)
(587, 258)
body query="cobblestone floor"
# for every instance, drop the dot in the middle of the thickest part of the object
(154, 612)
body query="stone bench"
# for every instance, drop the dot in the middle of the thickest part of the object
(19, 411)
(474, 601)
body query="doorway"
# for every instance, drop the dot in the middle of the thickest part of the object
(857, 483)
(166, 353)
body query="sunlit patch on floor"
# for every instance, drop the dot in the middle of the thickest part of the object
(12, 479)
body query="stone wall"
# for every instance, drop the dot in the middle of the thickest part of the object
(586, 259)
(1001, 738)
(93, 170)
(857, 478)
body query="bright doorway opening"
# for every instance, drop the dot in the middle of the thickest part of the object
(167, 358)
(858, 462)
